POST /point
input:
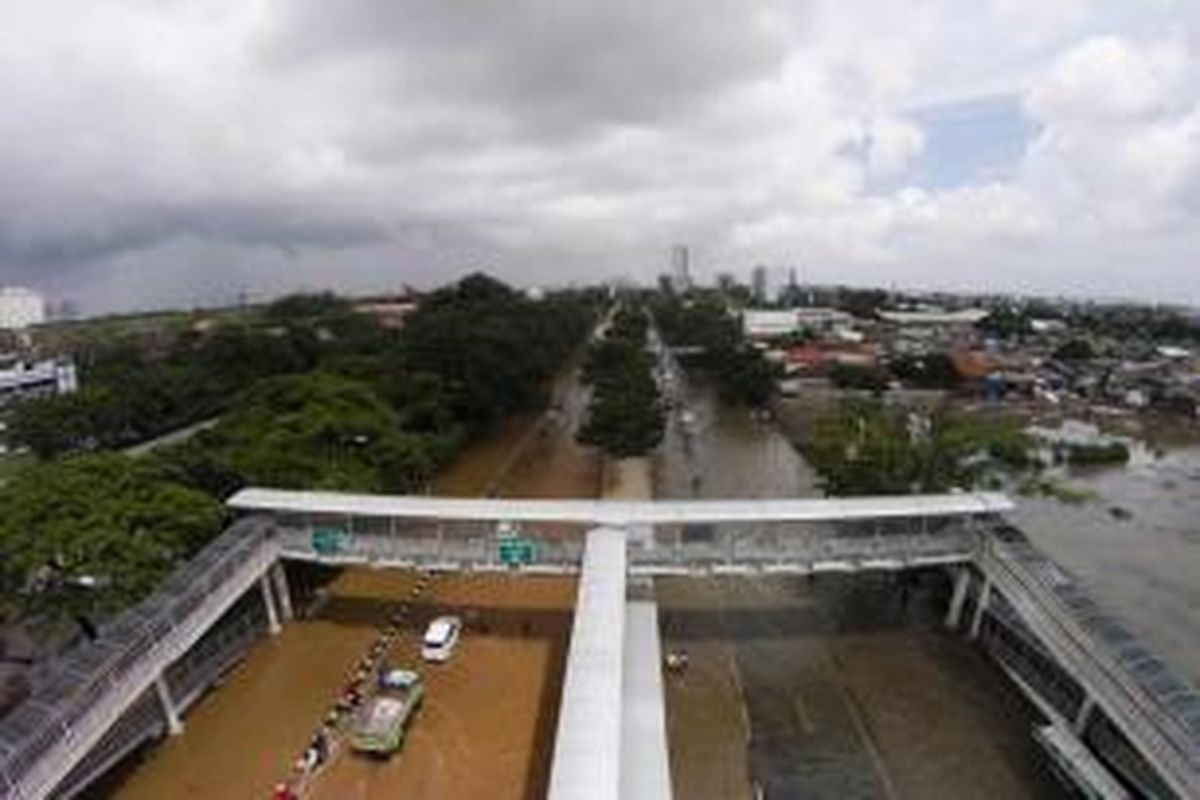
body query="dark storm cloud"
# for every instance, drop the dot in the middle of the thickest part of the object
(552, 66)
(262, 225)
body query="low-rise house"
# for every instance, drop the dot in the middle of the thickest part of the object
(764, 324)
(389, 310)
(23, 380)
(817, 357)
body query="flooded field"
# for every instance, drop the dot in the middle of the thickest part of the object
(1136, 545)
(838, 687)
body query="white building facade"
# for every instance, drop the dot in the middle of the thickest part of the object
(24, 381)
(20, 308)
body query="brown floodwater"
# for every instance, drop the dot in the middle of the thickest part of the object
(831, 688)
(486, 728)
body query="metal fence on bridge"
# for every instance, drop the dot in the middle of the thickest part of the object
(66, 690)
(1157, 705)
(893, 543)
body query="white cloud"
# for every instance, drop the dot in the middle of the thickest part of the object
(892, 144)
(1109, 79)
(163, 151)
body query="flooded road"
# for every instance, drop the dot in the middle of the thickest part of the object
(486, 729)
(1136, 545)
(531, 456)
(838, 687)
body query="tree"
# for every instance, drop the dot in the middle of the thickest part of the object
(1006, 322)
(863, 447)
(1075, 350)
(493, 349)
(320, 431)
(743, 374)
(855, 376)
(932, 371)
(625, 415)
(90, 534)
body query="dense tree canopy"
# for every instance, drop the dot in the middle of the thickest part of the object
(864, 448)
(313, 431)
(88, 534)
(625, 416)
(310, 394)
(492, 348)
(703, 321)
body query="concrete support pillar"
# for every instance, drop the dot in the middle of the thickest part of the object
(962, 584)
(1084, 714)
(264, 585)
(282, 592)
(981, 604)
(174, 724)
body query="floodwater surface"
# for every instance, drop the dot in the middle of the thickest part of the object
(835, 687)
(486, 728)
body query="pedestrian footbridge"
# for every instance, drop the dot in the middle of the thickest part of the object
(663, 537)
(1029, 613)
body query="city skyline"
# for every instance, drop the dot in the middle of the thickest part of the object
(178, 154)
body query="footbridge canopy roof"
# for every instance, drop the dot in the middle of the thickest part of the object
(620, 512)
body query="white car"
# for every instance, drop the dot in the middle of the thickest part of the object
(440, 638)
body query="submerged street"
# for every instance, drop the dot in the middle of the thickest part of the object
(837, 687)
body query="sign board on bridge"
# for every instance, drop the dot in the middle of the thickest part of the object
(328, 541)
(517, 550)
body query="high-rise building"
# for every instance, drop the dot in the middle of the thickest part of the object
(791, 294)
(20, 308)
(681, 267)
(758, 284)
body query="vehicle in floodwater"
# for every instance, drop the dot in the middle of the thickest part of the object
(440, 638)
(380, 726)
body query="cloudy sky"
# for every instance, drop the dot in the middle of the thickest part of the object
(174, 152)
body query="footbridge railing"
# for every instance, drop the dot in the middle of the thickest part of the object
(1157, 712)
(665, 537)
(80, 697)
(76, 699)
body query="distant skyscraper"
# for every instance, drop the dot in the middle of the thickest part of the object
(758, 284)
(681, 267)
(791, 295)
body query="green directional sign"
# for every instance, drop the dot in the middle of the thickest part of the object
(516, 551)
(328, 541)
